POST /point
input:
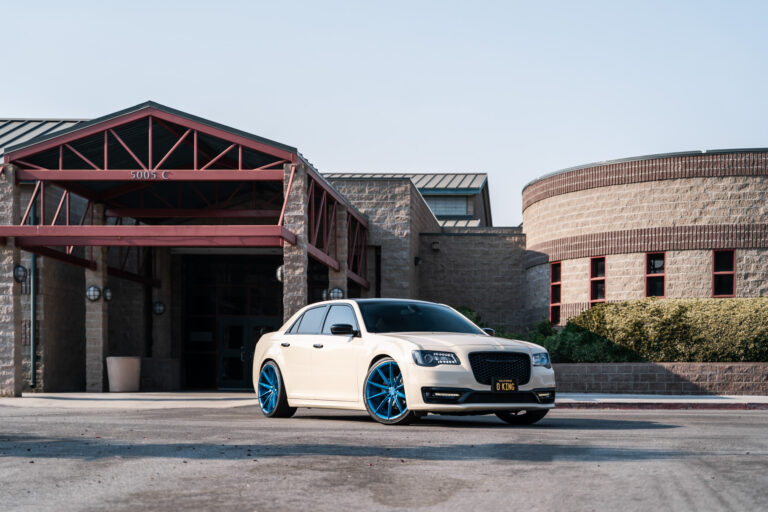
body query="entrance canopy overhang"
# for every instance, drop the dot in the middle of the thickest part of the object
(157, 170)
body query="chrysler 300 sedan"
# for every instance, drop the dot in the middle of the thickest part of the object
(399, 360)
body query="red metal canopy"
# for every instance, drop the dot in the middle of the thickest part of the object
(157, 165)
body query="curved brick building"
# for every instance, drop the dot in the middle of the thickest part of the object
(682, 225)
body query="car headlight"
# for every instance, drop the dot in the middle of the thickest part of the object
(541, 359)
(433, 358)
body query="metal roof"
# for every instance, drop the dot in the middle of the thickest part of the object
(426, 182)
(15, 145)
(459, 223)
(18, 131)
(656, 156)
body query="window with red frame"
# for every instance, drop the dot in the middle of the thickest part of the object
(554, 293)
(596, 280)
(723, 273)
(654, 275)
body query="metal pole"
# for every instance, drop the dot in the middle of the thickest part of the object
(33, 312)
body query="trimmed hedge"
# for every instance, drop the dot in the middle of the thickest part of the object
(683, 330)
(659, 330)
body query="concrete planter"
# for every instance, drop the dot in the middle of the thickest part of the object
(124, 374)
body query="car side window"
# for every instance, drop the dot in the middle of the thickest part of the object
(340, 315)
(312, 321)
(295, 327)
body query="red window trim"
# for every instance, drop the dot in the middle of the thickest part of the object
(592, 279)
(553, 305)
(662, 274)
(730, 272)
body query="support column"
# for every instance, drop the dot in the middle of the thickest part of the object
(161, 324)
(96, 316)
(295, 257)
(11, 376)
(339, 279)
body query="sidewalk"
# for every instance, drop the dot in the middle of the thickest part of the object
(225, 400)
(606, 401)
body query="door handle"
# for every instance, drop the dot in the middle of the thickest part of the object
(318, 345)
(285, 344)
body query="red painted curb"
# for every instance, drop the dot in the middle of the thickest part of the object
(661, 405)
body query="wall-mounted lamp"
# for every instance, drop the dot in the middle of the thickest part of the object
(20, 273)
(279, 273)
(336, 293)
(158, 308)
(93, 293)
(107, 294)
(435, 246)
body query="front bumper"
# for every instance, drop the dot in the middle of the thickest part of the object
(454, 389)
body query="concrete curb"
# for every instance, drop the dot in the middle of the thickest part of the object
(663, 405)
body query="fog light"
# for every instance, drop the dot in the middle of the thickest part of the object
(443, 394)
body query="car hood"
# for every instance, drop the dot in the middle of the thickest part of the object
(440, 340)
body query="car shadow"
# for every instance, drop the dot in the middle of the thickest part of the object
(492, 422)
(65, 448)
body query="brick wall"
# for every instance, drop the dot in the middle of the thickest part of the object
(698, 201)
(688, 274)
(397, 214)
(480, 270)
(536, 304)
(663, 378)
(645, 169)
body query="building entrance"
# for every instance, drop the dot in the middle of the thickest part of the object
(231, 300)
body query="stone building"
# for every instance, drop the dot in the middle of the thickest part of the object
(151, 232)
(682, 225)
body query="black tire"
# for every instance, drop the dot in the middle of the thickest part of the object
(522, 417)
(280, 409)
(405, 415)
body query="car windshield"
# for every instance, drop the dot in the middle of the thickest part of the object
(392, 316)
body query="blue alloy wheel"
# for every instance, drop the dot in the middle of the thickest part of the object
(385, 393)
(272, 397)
(269, 389)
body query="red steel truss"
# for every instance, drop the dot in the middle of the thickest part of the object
(357, 254)
(131, 157)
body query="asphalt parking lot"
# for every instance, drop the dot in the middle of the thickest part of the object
(235, 459)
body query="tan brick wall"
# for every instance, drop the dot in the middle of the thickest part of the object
(295, 258)
(397, 214)
(663, 378)
(481, 271)
(536, 304)
(625, 277)
(574, 276)
(688, 274)
(677, 202)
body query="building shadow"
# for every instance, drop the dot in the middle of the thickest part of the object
(36, 447)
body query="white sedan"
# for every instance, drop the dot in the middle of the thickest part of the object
(399, 360)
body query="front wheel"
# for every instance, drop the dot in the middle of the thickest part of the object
(384, 394)
(272, 398)
(522, 417)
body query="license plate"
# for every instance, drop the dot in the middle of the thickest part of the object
(503, 385)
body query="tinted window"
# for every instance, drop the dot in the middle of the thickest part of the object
(413, 317)
(655, 264)
(312, 321)
(723, 261)
(598, 267)
(339, 315)
(295, 327)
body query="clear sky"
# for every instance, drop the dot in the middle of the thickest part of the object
(514, 89)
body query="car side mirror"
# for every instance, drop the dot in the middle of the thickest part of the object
(344, 330)
(489, 331)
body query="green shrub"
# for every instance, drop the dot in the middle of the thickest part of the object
(657, 330)
(684, 329)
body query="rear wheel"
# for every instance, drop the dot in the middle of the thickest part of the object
(384, 394)
(522, 417)
(272, 398)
